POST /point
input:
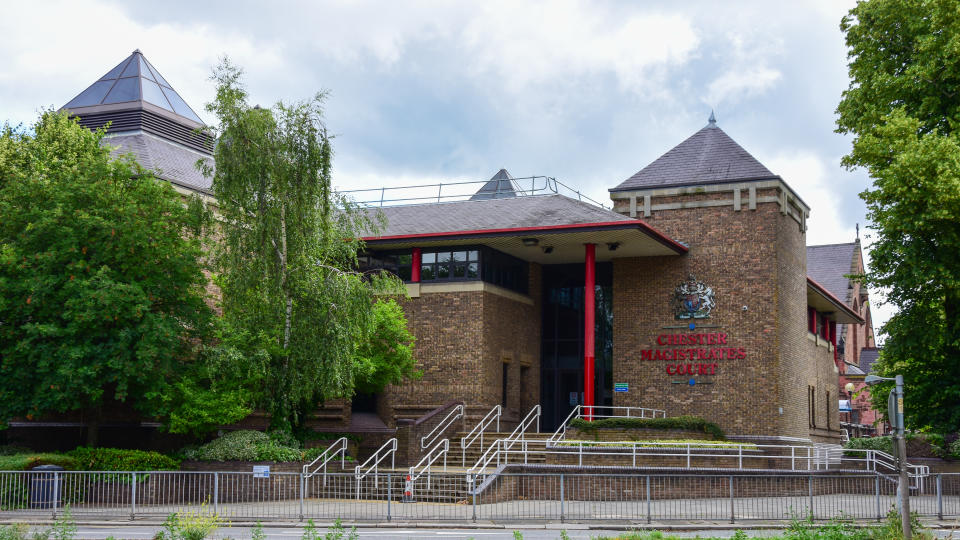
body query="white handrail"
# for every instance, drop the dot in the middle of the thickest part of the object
(338, 447)
(470, 438)
(388, 448)
(438, 430)
(425, 465)
(604, 411)
(502, 446)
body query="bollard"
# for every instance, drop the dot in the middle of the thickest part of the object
(408, 491)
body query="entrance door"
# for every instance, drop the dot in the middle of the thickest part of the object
(561, 348)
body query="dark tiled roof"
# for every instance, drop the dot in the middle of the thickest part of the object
(868, 355)
(709, 156)
(498, 187)
(167, 160)
(853, 369)
(509, 213)
(827, 265)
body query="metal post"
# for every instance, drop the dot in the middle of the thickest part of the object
(876, 483)
(216, 493)
(731, 498)
(133, 495)
(904, 487)
(56, 491)
(389, 494)
(939, 499)
(473, 492)
(561, 497)
(810, 490)
(648, 498)
(303, 481)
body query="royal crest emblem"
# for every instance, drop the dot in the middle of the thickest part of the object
(692, 299)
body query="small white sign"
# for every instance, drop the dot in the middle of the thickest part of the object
(261, 471)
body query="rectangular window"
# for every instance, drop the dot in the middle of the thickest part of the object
(811, 320)
(454, 264)
(811, 406)
(503, 389)
(398, 263)
(828, 410)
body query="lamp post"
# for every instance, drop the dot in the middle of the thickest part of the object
(895, 415)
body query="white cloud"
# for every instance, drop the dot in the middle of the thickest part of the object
(741, 83)
(812, 179)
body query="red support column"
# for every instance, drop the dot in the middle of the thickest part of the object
(589, 313)
(415, 268)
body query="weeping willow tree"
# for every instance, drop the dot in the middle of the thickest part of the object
(288, 250)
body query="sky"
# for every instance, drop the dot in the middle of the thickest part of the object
(588, 92)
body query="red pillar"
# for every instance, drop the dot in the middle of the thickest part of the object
(415, 268)
(589, 313)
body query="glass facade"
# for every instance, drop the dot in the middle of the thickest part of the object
(459, 263)
(561, 348)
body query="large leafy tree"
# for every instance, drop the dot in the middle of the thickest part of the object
(903, 110)
(101, 282)
(288, 250)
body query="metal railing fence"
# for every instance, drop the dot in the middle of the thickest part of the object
(553, 496)
(599, 412)
(429, 439)
(339, 447)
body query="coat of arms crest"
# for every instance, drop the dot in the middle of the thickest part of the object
(692, 299)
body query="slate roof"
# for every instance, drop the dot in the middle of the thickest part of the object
(853, 369)
(487, 214)
(169, 161)
(828, 264)
(131, 81)
(868, 355)
(709, 156)
(500, 186)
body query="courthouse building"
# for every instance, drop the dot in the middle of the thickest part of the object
(692, 293)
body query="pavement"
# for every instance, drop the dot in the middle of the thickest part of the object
(482, 531)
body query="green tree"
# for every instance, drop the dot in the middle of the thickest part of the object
(101, 283)
(288, 250)
(903, 109)
(385, 356)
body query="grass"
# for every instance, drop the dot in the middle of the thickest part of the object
(662, 443)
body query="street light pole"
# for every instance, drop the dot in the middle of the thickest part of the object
(895, 415)
(904, 482)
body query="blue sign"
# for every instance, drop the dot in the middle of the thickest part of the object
(621, 387)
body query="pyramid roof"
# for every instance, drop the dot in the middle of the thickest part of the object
(134, 81)
(709, 156)
(500, 186)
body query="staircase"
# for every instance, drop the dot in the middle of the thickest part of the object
(535, 445)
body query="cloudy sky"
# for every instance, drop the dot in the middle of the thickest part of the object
(427, 92)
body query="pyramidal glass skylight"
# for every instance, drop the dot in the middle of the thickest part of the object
(134, 79)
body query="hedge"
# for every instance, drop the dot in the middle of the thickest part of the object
(27, 461)
(116, 459)
(691, 423)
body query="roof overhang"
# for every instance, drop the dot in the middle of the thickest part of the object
(819, 298)
(555, 244)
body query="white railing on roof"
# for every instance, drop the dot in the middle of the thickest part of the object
(455, 414)
(478, 430)
(339, 447)
(372, 464)
(463, 191)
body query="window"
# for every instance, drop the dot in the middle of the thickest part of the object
(450, 264)
(811, 406)
(398, 263)
(503, 389)
(828, 410)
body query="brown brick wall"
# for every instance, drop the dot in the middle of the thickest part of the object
(755, 261)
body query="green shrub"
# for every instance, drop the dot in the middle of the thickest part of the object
(691, 423)
(116, 459)
(11, 449)
(955, 449)
(189, 525)
(244, 445)
(24, 462)
(884, 444)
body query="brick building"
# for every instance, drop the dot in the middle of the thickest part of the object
(694, 294)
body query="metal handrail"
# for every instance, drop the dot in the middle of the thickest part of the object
(424, 193)
(470, 438)
(597, 412)
(503, 446)
(438, 430)
(388, 448)
(426, 464)
(338, 447)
